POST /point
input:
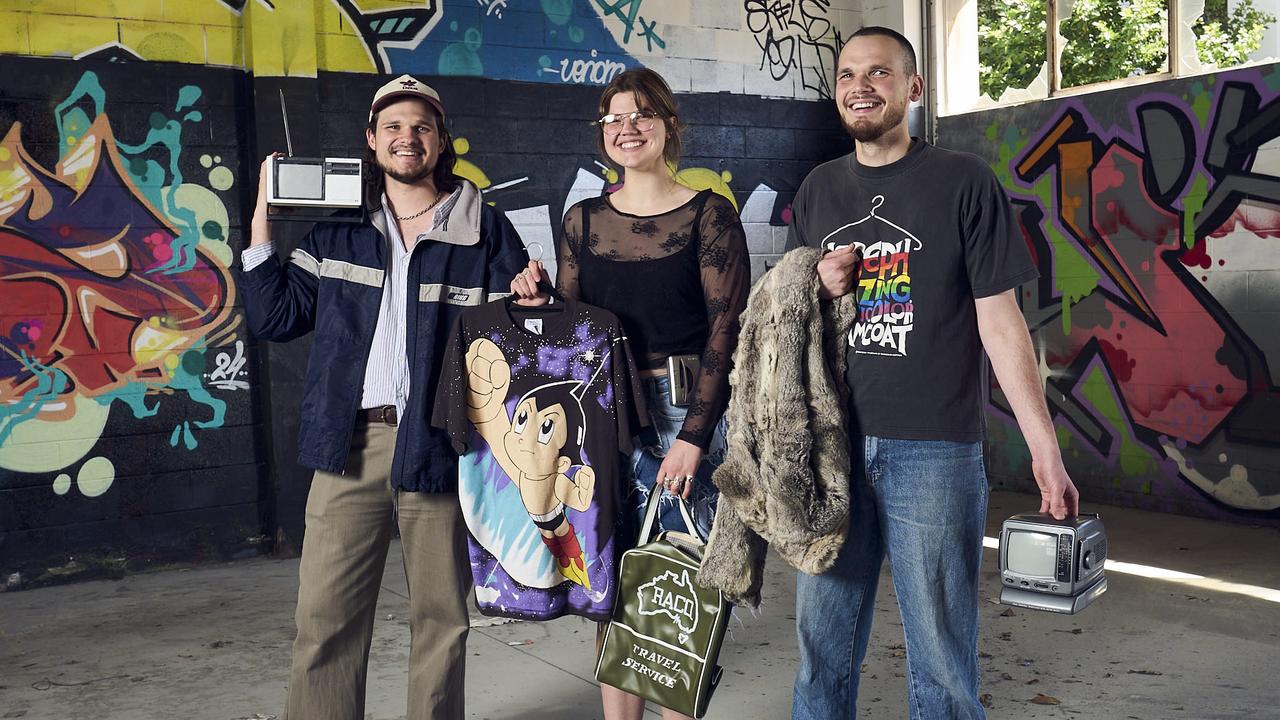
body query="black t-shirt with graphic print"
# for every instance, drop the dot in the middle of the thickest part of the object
(541, 404)
(935, 231)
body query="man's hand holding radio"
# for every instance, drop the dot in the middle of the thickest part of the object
(525, 285)
(836, 270)
(259, 228)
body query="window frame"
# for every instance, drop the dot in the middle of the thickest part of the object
(943, 14)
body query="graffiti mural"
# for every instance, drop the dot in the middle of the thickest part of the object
(796, 36)
(206, 32)
(384, 26)
(1154, 217)
(134, 424)
(491, 37)
(783, 48)
(633, 23)
(575, 43)
(115, 285)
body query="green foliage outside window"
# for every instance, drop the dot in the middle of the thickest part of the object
(1105, 39)
(1226, 38)
(1011, 44)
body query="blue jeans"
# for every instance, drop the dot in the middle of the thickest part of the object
(667, 419)
(925, 504)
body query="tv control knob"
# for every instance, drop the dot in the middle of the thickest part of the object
(1087, 560)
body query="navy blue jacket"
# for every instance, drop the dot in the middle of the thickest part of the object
(332, 285)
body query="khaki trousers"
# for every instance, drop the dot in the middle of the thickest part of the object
(349, 521)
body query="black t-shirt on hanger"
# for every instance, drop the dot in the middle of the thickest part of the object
(541, 405)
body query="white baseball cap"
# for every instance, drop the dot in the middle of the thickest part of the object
(403, 87)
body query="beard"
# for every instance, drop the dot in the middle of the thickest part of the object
(865, 131)
(406, 178)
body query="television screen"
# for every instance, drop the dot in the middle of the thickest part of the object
(1032, 553)
(299, 181)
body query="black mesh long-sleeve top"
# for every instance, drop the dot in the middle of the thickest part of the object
(678, 282)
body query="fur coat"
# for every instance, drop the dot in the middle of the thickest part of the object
(785, 478)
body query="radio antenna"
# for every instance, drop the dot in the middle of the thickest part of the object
(285, 114)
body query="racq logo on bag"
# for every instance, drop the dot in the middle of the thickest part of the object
(673, 597)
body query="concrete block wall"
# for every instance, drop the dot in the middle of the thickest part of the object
(1155, 311)
(139, 422)
(201, 33)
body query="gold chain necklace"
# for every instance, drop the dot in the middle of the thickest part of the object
(423, 211)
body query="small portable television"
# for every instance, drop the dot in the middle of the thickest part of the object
(1053, 565)
(313, 182)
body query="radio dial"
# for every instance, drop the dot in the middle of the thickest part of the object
(1087, 560)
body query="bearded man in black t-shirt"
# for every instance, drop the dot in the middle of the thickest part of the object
(926, 240)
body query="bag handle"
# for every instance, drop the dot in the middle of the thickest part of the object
(651, 515)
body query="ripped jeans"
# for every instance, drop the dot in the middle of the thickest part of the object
(667, 419)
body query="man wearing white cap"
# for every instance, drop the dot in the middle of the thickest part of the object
(380, 297)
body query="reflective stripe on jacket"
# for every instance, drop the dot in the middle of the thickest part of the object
(332, 287)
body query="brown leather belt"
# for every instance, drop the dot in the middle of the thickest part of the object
(384, 415)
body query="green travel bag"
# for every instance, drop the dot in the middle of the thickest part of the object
(664, 639)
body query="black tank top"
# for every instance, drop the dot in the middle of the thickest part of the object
(677, 280)
(658, 299)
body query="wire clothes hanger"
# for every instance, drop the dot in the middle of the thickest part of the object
(558, 300)
(876, 202)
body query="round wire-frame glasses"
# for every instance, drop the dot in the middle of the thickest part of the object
(642, 120)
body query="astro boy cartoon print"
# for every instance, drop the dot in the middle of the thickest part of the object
(538, 447)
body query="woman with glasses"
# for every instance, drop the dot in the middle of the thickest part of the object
(672, 264)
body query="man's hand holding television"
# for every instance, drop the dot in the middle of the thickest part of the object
(1058, 495)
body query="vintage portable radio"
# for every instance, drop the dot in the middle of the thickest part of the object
(1054, 565)
(312, 182)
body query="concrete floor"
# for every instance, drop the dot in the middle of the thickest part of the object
(213, 642)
